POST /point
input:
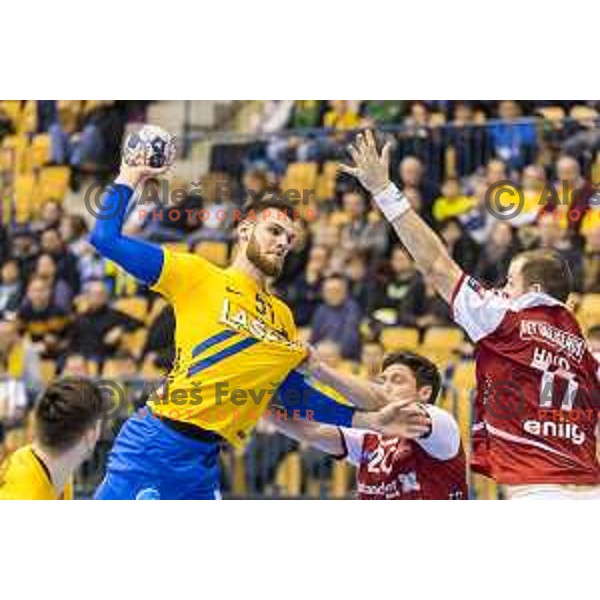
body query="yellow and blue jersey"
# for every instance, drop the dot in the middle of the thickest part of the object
(24, 477)
(235, 341)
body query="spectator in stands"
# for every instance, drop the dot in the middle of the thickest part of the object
(360, 233)
(307, 114)
(66, 263)
(98, 330)
(435, 310)
(91, 266)
(45, 322)
(533, 184)
(591, 262)
(572, 190)
(371, 359)
(477, 222)
(468, 138)
(452, 202)
(10, 286)
(74, 231)
(121, 366)
(24, 251)
(496, 254)
(382, 112)
(338, 318)
(398, 297)
(513, 139)
(461, 246)
(75, 365)
(356, 270)
(412, 175)
(61, 292)
(19, 359)
(341, 114)
(51, 214)
(304, 294)
(330, 353)
(551, 236)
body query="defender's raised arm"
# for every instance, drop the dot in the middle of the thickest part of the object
(427, 250)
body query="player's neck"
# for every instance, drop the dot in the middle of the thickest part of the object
(60, 467)
(241, 263)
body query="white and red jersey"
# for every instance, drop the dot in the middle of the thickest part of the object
(393, 468)
(535, 406)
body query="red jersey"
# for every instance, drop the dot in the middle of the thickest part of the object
(392, 468)
(535, 410)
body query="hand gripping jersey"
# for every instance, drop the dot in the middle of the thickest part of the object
(392, 468)
(537, 393)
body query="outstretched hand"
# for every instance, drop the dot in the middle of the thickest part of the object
(409, 421)
(370, 167)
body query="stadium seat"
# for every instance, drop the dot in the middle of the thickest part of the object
(326, 181)
(341, 473)
(462, 386)
(135, 307)
(12, 109)
(589, 310)
(24, 197)
(53, 182)
(300, 176)
(397, 338)
(552, 113)
(39, 150)
(289, 475)
(216, 252)
(443, 337)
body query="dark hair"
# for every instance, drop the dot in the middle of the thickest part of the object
(257, 206)
(65, 411)
(425, 372)
(547, 269)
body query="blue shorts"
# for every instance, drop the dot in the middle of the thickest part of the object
(149, 460)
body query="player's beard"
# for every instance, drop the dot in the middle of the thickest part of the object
(267, 265)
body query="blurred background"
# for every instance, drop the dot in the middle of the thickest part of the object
(353, 289)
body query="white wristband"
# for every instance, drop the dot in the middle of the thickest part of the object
(392, 202)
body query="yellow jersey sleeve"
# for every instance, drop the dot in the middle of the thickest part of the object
(181, 273)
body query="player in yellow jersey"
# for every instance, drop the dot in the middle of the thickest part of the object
(67, 422)
(236, 349)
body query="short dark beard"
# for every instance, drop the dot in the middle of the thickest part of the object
(255, 256)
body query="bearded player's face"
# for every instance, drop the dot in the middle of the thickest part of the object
(271, 238)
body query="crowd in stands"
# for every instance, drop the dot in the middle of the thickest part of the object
(353, 289)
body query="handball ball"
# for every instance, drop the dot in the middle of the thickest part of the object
(150, 146)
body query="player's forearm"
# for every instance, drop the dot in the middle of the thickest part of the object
(142, 260)
(323, 437)
(421, 242)
(296, 394)
(363, 394)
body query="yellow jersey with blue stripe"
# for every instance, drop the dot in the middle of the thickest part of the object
(235, 341)
(24, 477)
